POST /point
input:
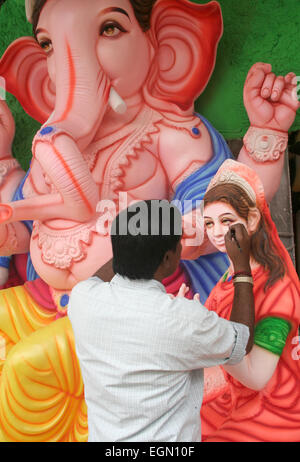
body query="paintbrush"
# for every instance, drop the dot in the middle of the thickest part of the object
(233, 236)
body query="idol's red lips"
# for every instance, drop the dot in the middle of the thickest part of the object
(219, 243)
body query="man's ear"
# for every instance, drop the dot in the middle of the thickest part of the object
(254, 217)
(167, 260)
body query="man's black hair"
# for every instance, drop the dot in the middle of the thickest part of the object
(1, 2)
(141, 235)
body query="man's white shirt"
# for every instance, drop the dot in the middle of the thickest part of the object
(142, 356)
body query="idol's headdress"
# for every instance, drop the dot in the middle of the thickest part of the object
(232, 172)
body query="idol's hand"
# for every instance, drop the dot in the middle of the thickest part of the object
(184, 289)
(271, 101)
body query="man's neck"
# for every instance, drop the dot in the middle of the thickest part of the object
(106, 272)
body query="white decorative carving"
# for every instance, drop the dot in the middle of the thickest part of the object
(265, 145)
(60, 248)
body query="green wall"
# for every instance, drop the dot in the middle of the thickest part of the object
(254, 30)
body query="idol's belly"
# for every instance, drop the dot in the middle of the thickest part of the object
(64, 253)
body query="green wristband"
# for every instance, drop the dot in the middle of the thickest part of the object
(271, 333)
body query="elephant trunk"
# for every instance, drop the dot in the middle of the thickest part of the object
(82, 94)
(83, 90)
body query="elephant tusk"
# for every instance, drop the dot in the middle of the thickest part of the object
(29, 6)
(116, 102)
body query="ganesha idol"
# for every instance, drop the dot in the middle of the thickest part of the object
(113, 84)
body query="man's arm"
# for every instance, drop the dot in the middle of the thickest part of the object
(243, 309)
(243, 302)
(106, 272)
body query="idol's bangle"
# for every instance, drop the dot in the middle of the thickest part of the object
(265, 144)
(246, 279)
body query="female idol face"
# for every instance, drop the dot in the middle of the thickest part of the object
(218, 217)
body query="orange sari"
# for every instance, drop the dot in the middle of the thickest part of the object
(239, 414)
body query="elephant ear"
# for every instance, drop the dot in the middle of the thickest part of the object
(24, 68)
(185, 37)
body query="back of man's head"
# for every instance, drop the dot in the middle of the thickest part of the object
(141, 235)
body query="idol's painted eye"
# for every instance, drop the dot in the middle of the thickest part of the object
(46, 45)
(209, 224)
(227, 221)
(111, 29)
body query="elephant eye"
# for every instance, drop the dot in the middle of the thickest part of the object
(46, 45)
(111, 29)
